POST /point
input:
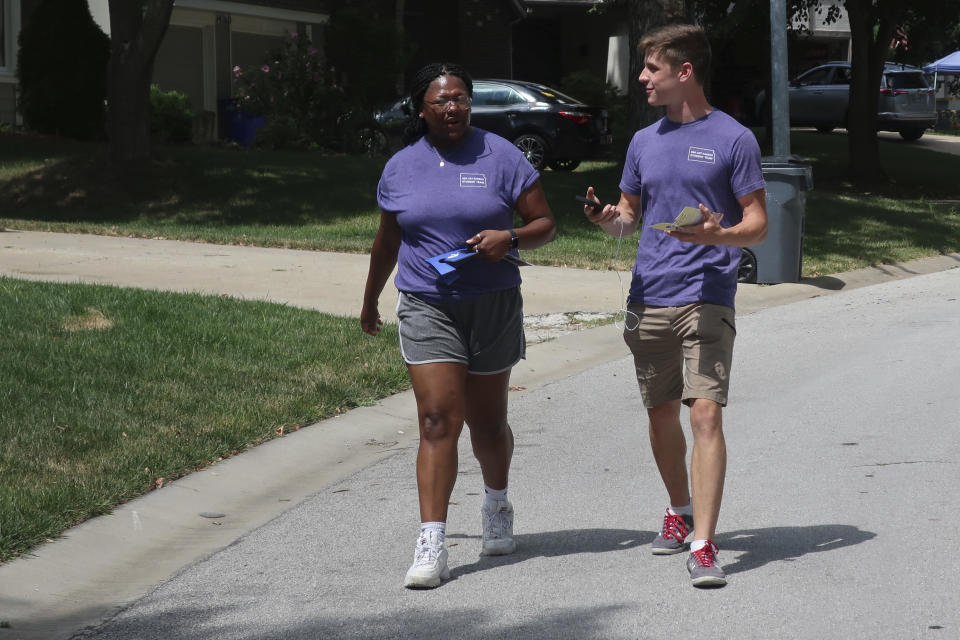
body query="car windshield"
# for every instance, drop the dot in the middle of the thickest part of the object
(906, 81)
(546, 94)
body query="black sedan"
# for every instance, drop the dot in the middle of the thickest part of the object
(552, 129)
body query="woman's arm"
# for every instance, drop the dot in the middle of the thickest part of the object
(538, 228)
(383, 258)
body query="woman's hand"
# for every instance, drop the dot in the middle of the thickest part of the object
(370, 320)
(491, 244)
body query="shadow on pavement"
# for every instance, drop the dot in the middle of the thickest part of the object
(463, 623)
(785, 544)
(825, 282)
(549, 544)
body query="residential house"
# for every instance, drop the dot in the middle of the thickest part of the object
(205, 39)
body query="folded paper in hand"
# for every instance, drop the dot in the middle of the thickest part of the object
(446, 263)
(688, 216)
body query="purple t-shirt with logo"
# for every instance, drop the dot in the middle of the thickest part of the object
(440, 207)
(714, 160)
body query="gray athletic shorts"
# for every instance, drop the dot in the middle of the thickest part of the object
(486, 334)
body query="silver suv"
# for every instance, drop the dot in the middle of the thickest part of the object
(819, 97)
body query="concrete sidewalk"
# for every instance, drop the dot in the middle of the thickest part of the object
(101, 566)
(333, 282)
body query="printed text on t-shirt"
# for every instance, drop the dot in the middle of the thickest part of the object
(699, 154)
(473, 180)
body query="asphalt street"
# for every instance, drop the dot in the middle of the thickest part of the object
(839, 518)
(841, 470)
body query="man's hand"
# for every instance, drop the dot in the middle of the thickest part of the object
(608, 213)
(708, 231)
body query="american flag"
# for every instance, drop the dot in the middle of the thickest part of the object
(899, 39)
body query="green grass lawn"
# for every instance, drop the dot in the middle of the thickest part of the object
(107, 390)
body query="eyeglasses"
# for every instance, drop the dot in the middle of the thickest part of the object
(459, 101)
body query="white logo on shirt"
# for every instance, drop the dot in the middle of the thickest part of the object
(473, 180)
(699, 154)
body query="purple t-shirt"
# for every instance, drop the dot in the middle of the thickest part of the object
(439, 208)
(714, 160)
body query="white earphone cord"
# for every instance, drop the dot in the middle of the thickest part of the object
(622, 311)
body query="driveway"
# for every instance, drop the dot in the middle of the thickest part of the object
(932, 141)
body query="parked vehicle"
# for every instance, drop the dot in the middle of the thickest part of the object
(552, 129)
(820, 97)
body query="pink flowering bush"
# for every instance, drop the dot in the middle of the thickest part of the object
(296, 95)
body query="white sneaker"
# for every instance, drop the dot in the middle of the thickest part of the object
(429, 563)
(497, 529)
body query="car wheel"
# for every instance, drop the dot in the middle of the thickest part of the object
(534, 148)
(911, 134)
(824, 128)
(747, 271)
(564, 165)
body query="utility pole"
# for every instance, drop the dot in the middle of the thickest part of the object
(779, 101)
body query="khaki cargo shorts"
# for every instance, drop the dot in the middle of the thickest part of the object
(681, 353)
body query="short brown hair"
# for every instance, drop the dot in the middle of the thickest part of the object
(679, 43)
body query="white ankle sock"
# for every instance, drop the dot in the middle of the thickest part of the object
(686, 510)
(696, 545)
(439, 527)
(490, 496)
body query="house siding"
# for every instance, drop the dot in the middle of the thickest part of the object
(179, 64)
(8, 102)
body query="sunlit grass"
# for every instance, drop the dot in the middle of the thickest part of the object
(106, 391)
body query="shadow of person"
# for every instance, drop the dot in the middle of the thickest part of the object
(550, 544)
(829, 283)
(786, 544)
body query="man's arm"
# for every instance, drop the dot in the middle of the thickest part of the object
(752, 228)
(622, 218)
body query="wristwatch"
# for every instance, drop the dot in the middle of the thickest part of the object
(514, 239)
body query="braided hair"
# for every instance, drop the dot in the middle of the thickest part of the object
(416, 128)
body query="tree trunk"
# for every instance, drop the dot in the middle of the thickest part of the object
(644, 15)
(137, 28)
(400, 11)
(871, 27)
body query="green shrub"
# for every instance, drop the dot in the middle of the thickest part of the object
(593, 90)
(294, 93)
(171, 117)
(62, 70)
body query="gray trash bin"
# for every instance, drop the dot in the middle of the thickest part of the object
(779, 257)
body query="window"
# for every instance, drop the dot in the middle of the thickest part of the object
(816, 77)
(906, 81)
(841, 75)
(495, 94)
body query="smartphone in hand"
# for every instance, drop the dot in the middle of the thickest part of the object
(597, 206)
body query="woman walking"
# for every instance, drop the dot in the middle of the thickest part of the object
(454, 184)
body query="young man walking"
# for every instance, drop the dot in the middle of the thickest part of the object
(680, 323)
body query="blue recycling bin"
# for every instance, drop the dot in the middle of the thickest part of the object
(238, 125)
